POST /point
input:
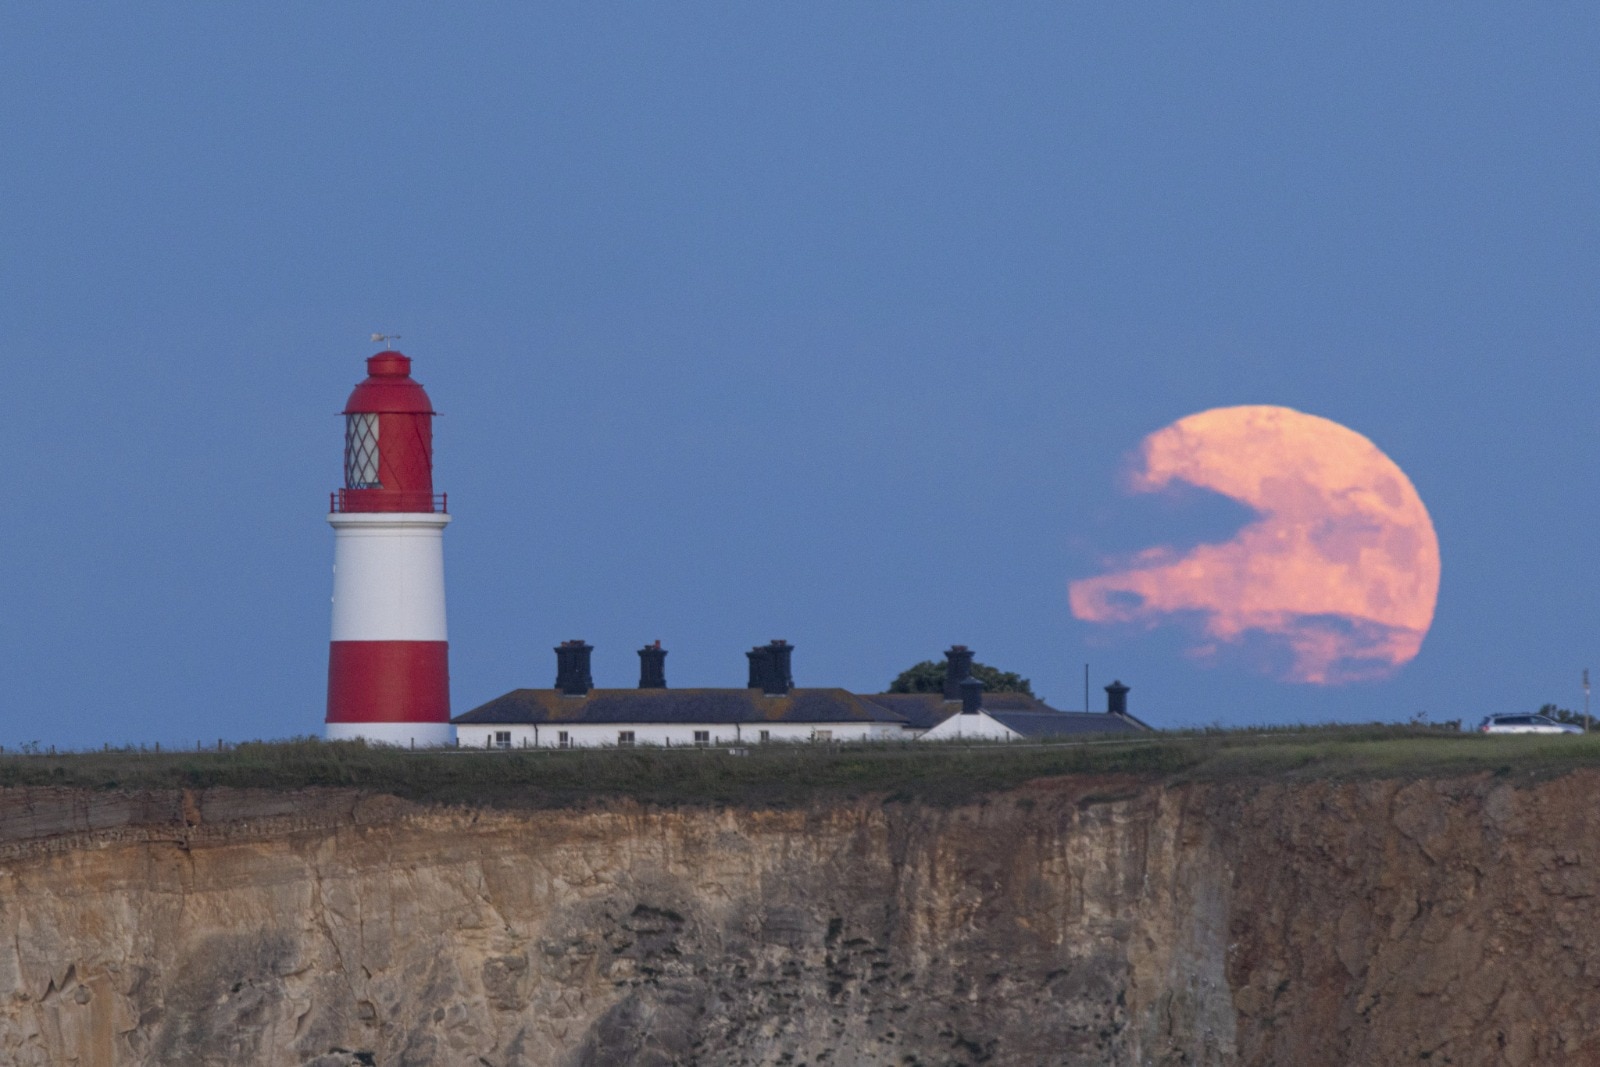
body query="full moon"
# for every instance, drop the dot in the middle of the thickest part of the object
(1338, 576)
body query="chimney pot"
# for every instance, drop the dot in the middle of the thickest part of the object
(1116, 698)
(957, 669)
(770, 667)
(759, 657)
(782, 679)
(572, 668)
(653, 667)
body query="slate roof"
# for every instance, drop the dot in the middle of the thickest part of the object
(683, 706)
(1053, 723)
(924, 711)
(915, 711)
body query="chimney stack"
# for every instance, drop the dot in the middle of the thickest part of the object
(971, 695)
(1116, 698)
(957, 669)
(770, 668)
(760, 659)
(572, 668)
(653, 667)
(782, 679)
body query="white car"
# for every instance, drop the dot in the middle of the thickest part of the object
(1525, 724)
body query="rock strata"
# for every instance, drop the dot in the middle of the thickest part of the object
(1072, 921)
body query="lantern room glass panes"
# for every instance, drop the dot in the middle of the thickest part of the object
(361, 452)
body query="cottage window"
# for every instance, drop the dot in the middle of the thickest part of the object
(766, 735)
(625, 738)
(502, 739)
(702, 738)
(563, 740)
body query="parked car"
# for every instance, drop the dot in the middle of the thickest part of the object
(1525, 724)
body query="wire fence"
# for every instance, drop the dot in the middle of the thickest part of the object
(1233, 735)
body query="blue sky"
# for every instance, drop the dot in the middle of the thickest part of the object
(831, 322)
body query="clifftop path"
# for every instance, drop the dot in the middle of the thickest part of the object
(1096, 919)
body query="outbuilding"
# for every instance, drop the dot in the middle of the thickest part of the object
(1001, 717)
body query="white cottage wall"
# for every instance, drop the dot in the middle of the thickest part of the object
(978, 727)
(675, 735)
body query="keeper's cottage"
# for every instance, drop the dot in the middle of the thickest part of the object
(769, 708)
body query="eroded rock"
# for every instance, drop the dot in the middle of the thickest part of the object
(1068, 922)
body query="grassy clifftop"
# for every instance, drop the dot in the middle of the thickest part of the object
(793, 774)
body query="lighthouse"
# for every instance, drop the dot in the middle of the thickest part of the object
(388, 661)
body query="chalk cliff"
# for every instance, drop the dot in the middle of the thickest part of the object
(1070, 921)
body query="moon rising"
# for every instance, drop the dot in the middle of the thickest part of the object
(1340, 572)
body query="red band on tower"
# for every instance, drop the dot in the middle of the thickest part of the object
(389, 681)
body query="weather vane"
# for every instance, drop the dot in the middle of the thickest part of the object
(384, 338)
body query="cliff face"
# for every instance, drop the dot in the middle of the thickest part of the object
(1068, 922)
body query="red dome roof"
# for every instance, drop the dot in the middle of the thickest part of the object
(389, 388)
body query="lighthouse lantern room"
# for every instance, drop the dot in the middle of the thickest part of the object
(388, 661)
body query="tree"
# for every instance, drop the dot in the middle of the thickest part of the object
(928, 677)
(1561, 715)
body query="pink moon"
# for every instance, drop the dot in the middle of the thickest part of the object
(1339, 574)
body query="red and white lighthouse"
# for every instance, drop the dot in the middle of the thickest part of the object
(388, 663)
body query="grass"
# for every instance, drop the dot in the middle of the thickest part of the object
(785, 775)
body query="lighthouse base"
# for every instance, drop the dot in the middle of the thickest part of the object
(397, 734)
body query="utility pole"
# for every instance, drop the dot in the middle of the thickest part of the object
(1586, 700)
